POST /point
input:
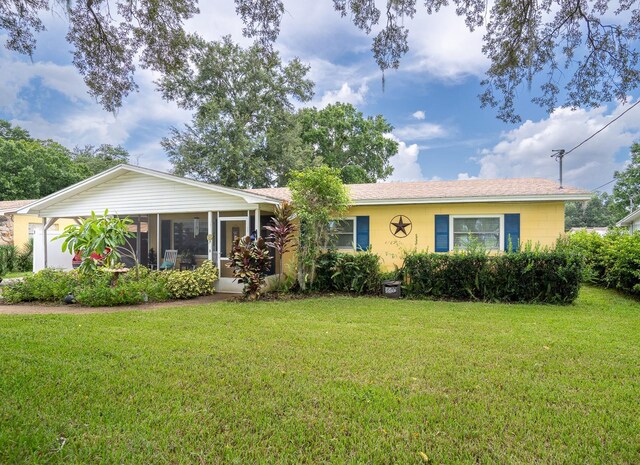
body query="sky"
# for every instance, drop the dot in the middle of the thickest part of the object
(431, 101)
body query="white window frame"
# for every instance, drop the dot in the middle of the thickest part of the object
(355, 226)
(452, 233)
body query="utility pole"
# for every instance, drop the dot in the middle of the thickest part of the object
(558, 154)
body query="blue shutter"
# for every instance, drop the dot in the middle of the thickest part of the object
(362, 232)
(442, 233)
(512, 231)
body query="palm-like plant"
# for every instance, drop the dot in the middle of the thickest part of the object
(282, 231)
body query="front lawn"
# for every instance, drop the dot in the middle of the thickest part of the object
(328, 380)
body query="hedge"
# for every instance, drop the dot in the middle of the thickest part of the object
(612, 260)
(353, 273)
(529, 276)
(95, 289)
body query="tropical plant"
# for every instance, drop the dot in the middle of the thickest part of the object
(282, 231)
(99, 240)
(250, 263)
(318, 196)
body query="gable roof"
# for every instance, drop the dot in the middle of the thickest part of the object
(11, 206)
(630, 218)
(119, 170)
(471, 190)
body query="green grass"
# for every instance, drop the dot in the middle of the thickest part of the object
(17, 274)
(330, 380)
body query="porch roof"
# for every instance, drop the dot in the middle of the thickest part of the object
(126, 189)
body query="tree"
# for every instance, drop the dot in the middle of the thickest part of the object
(597, 212)
(30, 169)
(95, 160)
(341, 137)
(281, 232)
(238, 96)
(9, 132)
(318, 196)
(99, 240)
(626, 191)
(589, 46)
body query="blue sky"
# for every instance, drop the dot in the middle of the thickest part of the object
(431, 101)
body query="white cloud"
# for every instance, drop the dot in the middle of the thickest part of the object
(465, 176)
(418, 114)
(442, 45)
(345, 95)
(420, 131)
(405, 163)
(526, 151)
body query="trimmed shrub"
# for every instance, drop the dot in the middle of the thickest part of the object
(528, 276)
(206, 275)
(611, 261)
(183, 284)
(358, 273)
(47, 285)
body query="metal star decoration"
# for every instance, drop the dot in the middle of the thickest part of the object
(402, 228)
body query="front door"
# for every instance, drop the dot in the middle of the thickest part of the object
(229, 229)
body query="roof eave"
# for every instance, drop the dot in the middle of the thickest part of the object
(628, 219)
(501, 198)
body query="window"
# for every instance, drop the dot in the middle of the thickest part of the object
(345, 233)
(483, 230)
(188, 234)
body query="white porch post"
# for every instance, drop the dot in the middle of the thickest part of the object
(247, 228)
(158, 248)
(210, 235)
(46, 224)
(44, 240)
(258, 234)
(218, 230)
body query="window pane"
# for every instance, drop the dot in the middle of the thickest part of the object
(343, 233)
(344, 241)
(187, 237)
(464, 225)
(488, 240)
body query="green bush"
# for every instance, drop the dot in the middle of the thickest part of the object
(206, 275)
(345, 272)
(8, 256)
(545, 276)
(24, 259)
(183, 284)
(48, 285)
(611, 261)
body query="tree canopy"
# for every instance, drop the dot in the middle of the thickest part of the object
(341, 137)
(31, 168)
(238, 95)
(586, 46)
(626, 191)
(597, 212)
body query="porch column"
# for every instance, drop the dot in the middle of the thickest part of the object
(218, 240)
(258, 234)
(46, 224)
(44, 240)
(138, 239)
(158, 247)
(210, 235)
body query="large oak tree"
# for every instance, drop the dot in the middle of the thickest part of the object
(587, 47)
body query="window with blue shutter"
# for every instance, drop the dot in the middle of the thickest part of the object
(442, 233)
(362, 232)
(511, 231)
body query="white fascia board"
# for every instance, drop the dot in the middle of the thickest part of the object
(529, 198)
(629, 218)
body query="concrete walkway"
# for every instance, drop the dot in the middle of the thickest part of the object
(35, 309)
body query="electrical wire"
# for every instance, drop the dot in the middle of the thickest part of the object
(605, 184)
(603, 128)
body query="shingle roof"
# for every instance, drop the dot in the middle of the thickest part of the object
(10, 206)
(442, 190)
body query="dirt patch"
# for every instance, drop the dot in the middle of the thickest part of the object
(37, 309)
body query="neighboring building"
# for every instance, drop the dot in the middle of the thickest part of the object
(18, 229)
(597, 230)
(631, 221)
(174, 213)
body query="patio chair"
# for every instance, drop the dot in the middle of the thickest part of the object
(169, 262)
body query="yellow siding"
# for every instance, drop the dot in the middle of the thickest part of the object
(540, 222)
(21, 227)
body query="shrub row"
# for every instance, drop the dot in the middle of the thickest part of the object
(610, 261)
(355, 273)
(96, 290)
(529, 276)
(13, 258)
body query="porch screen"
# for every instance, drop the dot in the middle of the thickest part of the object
(189, 234)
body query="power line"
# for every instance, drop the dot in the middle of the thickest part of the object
(605, 184)
(603, 127)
